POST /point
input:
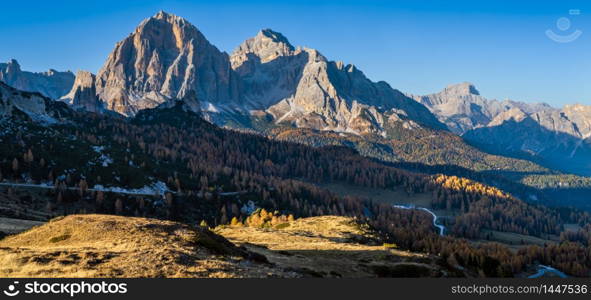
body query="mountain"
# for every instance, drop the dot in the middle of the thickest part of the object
(266, 83)
(83, 93)
(267, 86)
(462, 108)
(164, 58)
(300, 86)
(52, 84)
(21, 105)
(558, 138)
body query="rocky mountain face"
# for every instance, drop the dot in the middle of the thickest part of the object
(52, 84)
(548, 135)
(16, 104)
(83, 93)
(560, 137)
(462, 108)
(301, 87)
(167, 58)
(164, 58)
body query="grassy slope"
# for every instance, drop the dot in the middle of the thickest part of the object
(111, 246)
(333, 246)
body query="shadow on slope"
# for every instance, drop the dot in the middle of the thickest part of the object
(528, 139)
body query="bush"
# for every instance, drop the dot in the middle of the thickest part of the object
(282, 226)
(57, 239)
(390, 246)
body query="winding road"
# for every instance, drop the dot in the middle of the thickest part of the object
(542, 269)
(441, 227)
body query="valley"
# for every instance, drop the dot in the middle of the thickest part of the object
(274, 161)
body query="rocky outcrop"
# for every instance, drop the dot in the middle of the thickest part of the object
(83, 94)
(164, 58)
(581, 116)
(52, 84)
(16, 104)
(301, 87)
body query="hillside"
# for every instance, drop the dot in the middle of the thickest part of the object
(112, 246)
(334, 246)
(435, 151)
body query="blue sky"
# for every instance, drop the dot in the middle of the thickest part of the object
(416, 46)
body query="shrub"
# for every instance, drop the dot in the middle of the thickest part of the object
(59, 238)
(281, 225)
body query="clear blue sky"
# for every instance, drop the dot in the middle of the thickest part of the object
(416, 46)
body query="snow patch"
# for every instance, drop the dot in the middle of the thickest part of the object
(158, 187)
(208, 106)
(104, 159)
(98, 149)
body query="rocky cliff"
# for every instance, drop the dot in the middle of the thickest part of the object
(83, 93)
(164, 58)
(302, 87)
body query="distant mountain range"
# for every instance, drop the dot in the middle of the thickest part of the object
(52, 83)
(560, 137)
(267, 79)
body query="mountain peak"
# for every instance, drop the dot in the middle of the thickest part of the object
(14, 62)
(267, 45)
(13, 65)
(161, 18)
(464, 89)
(164, 58)
(162, 15)
(275, 36)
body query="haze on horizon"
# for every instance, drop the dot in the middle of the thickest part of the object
(417, 48)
